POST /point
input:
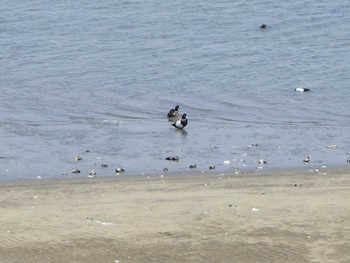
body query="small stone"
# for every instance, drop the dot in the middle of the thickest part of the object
(76, 171)
(119, 170)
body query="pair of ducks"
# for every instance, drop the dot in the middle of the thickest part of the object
(179, 124)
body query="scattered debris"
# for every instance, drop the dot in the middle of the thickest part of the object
(331, 146)
(99, 222)
(252, 145)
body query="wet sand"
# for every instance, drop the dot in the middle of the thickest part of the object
(296, 216)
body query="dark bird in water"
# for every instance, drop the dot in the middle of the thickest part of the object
(180, 124)
(173, 112)
(263, 26)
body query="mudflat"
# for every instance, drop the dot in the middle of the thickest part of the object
(279, 216)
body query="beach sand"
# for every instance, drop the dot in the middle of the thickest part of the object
(296, 216)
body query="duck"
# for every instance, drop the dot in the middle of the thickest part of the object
(307, 159)
(263, 26)
(302, 89)
(180, 124)
(173, 112)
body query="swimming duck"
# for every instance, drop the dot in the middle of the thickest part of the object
(173, 112)
(302, 89)
(180, 124)
(307, 159)
(263, 26)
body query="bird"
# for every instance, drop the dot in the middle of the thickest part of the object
(263, 26)
(302, 89)
(307, 159)
(180, 124)
(173, 112)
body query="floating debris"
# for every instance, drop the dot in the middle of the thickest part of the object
(173, 158)
(193, 166)
(262, 161)
(103, 165)
(253, 145)
(78, 158)
(119, 170)
(331, 146)
(212, 167)
(307, 159)
(76, 171)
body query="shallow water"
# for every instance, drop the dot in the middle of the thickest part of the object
(101, 76)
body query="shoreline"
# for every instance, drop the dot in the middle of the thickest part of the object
(310, 169)
(280, 216)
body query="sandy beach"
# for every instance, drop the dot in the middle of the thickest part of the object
(294, 216)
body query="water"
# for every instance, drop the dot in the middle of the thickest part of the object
(97, 78)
